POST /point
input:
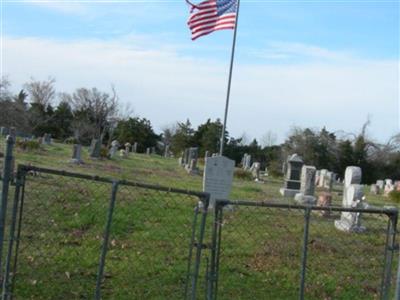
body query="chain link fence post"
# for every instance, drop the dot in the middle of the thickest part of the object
(6, 180)
(307, 213)
(7, 286)
(106, 238)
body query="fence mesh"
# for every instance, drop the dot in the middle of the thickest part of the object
(62, 225)
(261, 251)
(61, 236)
(149, 241)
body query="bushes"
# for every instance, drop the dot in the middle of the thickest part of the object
(28, 145)
(395, 196)
(71, 140)
(104, 152)
(242, 174)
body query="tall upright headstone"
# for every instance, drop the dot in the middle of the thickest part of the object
(217, 178)
(148, 151)
(127, 148)
(246, 162)
(353, 197)
(95, 149)
(46, 139)
(166, 151)
(191, 166)
(307, 186)
(322, 177)
(114, 148)
(292, 177)
(328, 180)
(3, 131)
(134, 147)
(255, 170)
(76, 154)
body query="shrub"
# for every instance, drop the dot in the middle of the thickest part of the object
(71, 140)
(27, 145)
(242, 174)
(395, 196)
(104, 152)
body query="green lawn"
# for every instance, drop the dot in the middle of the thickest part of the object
(64, 219)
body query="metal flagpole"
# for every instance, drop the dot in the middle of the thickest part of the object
(221, 147)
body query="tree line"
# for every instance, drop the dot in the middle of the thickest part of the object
(89, 113)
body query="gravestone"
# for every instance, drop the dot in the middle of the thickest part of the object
(255, 171)
(353, 197)
(307, 186)
(388, 182)
(76, 154)
(148, 151)
(374, 189)
(328, 180)
(190, 153)
(324, 200)
(95, 149)
(246, 164)
(4, 131)
(191, 166)
(322, 175)
(134, 147)
(166, 151)
(380, 184)
(46, 139)
(217, 178)
(292, 177)
(317, 176)
(127, 148)
(114, 148)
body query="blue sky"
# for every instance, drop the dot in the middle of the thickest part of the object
(298, 63)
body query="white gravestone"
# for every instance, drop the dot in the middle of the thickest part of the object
(307, 186)
(114, 148)
(322, 175)
(217, 178)
(255, 170)
(353, 197)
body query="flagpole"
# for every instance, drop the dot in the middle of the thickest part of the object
(228, 92)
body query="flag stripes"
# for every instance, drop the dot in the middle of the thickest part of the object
(212, 15)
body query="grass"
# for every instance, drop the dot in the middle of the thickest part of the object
(64, 219)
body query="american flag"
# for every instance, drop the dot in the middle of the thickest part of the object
(212, 15)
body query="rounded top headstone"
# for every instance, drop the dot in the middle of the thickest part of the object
(352, 175)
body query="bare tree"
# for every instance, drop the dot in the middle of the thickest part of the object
(4, 88)
(93, 109)
(268, 139)
(41, 92)
(168, 131)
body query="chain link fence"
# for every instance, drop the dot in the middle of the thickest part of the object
(278, 251)
(78, 236)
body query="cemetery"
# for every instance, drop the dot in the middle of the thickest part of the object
(258, 245)
(174, 153)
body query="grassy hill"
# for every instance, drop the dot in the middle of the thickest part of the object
(64, 218)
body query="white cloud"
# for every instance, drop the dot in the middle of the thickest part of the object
(66, 7)
(164, 86)
(286, 50)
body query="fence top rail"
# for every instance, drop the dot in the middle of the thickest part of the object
(390, 211)
(27, 168)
